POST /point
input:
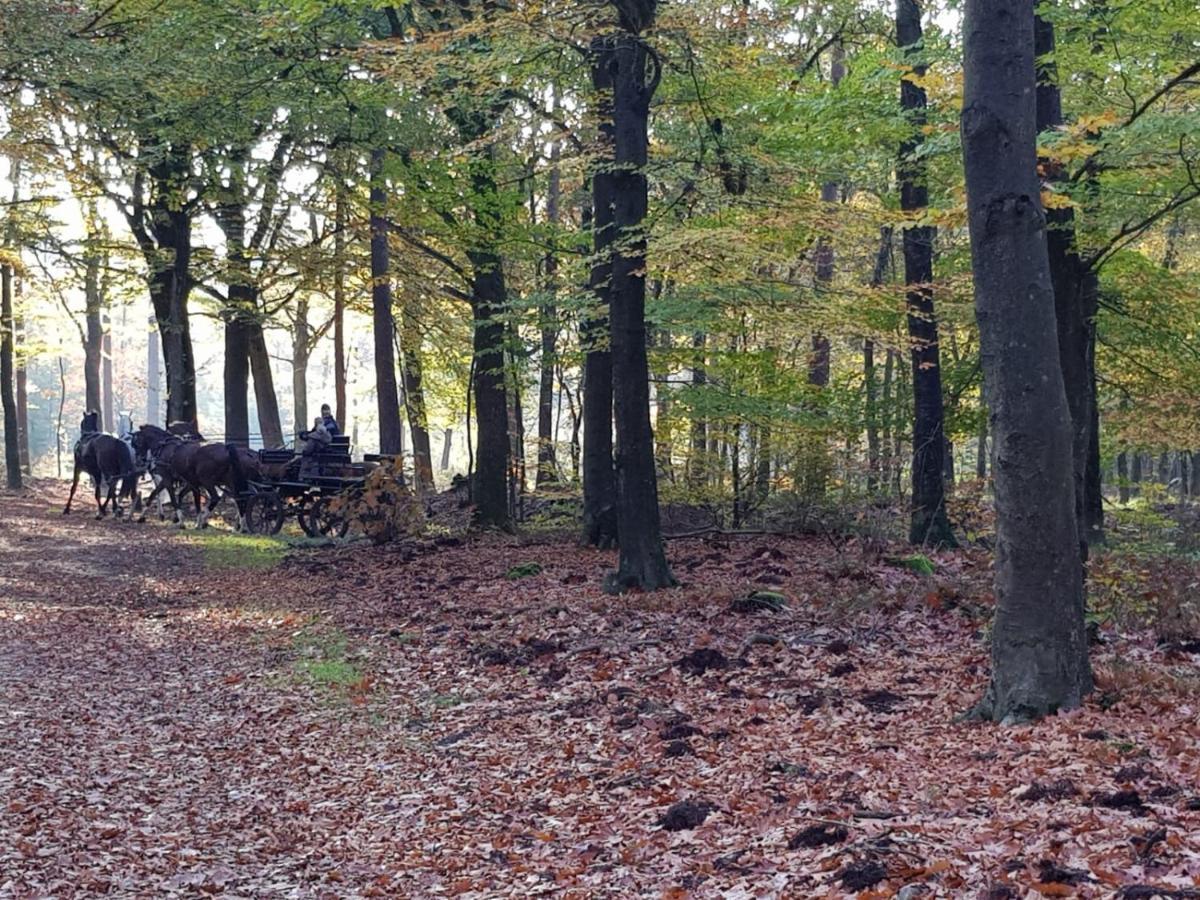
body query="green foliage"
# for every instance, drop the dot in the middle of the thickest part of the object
(523, 570)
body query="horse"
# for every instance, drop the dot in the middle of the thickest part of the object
(108, 461)
(215, 470)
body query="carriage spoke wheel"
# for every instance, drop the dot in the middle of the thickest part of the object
(324, 521)
(264, 513)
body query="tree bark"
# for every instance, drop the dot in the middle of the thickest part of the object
(93, 339)
(599, 476)
(1076, 292)
(301, 351)
(167, 245)
(237, 375)
(928, 523)
(547, 466)
(642, 561)
(339, 303)
(1039, 646)
(489, 303)
(22, 394)
(386, 391)
(269, 422)
(1123, 476)
(414, 401)
(238, 314)
(12, 441)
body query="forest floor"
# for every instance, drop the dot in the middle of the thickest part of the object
(205, 714)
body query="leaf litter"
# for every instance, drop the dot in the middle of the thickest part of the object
(165, 730)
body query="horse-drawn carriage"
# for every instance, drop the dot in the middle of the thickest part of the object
(315, 489)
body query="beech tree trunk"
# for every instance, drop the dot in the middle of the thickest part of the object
(93, 338)
(22, 394)
(238, 314)
(642, 561)
(339, 304)
(489, 303)
(414, 401)
(387, 392)
(928, 523)
(12, 441)
(301, 350)
(237, 376)
(166, 242)
(1076, 296)
(1039, 646)
(270, 425)
(547, 464)
(599, 476)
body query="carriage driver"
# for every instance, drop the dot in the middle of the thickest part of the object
(329, 421)
(315, 440)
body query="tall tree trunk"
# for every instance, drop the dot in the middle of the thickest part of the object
(270, 424)
(301, 350)
(928, 523)
(489, 303)
(870, 381)
(599, 476)
(547, 467)
(890, 462)
(1076, 290)
(1123, 476)
(237, 372)
(22, 393)
(153, 388)
(170, 282)
(12, 442)
(1039, 646)
(386, 391)
(93, 340)
(106, 374)
(642, 561)
(414, 401)
(698, 455)
(238, 314)
(339, 304)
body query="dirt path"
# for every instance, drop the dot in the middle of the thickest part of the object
(360, 722)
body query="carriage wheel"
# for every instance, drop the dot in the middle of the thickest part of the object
(264, 513)
(323, 521)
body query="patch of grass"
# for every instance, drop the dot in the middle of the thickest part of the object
(524, 570)
(228, 550)
(446, 701)
(322, 660)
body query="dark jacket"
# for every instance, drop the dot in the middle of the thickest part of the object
(331, 425)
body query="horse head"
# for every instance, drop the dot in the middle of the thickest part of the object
(90, 424)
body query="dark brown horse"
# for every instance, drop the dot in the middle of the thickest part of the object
(108, 461)
(215, 470)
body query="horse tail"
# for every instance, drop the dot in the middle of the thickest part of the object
(240, 484)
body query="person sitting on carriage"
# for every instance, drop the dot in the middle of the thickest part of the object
(315, 440)
(329, 421)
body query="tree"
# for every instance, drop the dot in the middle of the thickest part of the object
(12, 444)
(929, 523)
(642, 561)
(599, 476)
(383, 328)
(1039, 645)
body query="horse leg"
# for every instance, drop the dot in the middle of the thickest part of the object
(100, 506)
(71, 496)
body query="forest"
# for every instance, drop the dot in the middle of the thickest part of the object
(763, 434)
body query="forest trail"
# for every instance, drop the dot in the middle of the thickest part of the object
(179, 717)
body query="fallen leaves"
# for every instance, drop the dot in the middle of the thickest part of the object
(486, 737)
